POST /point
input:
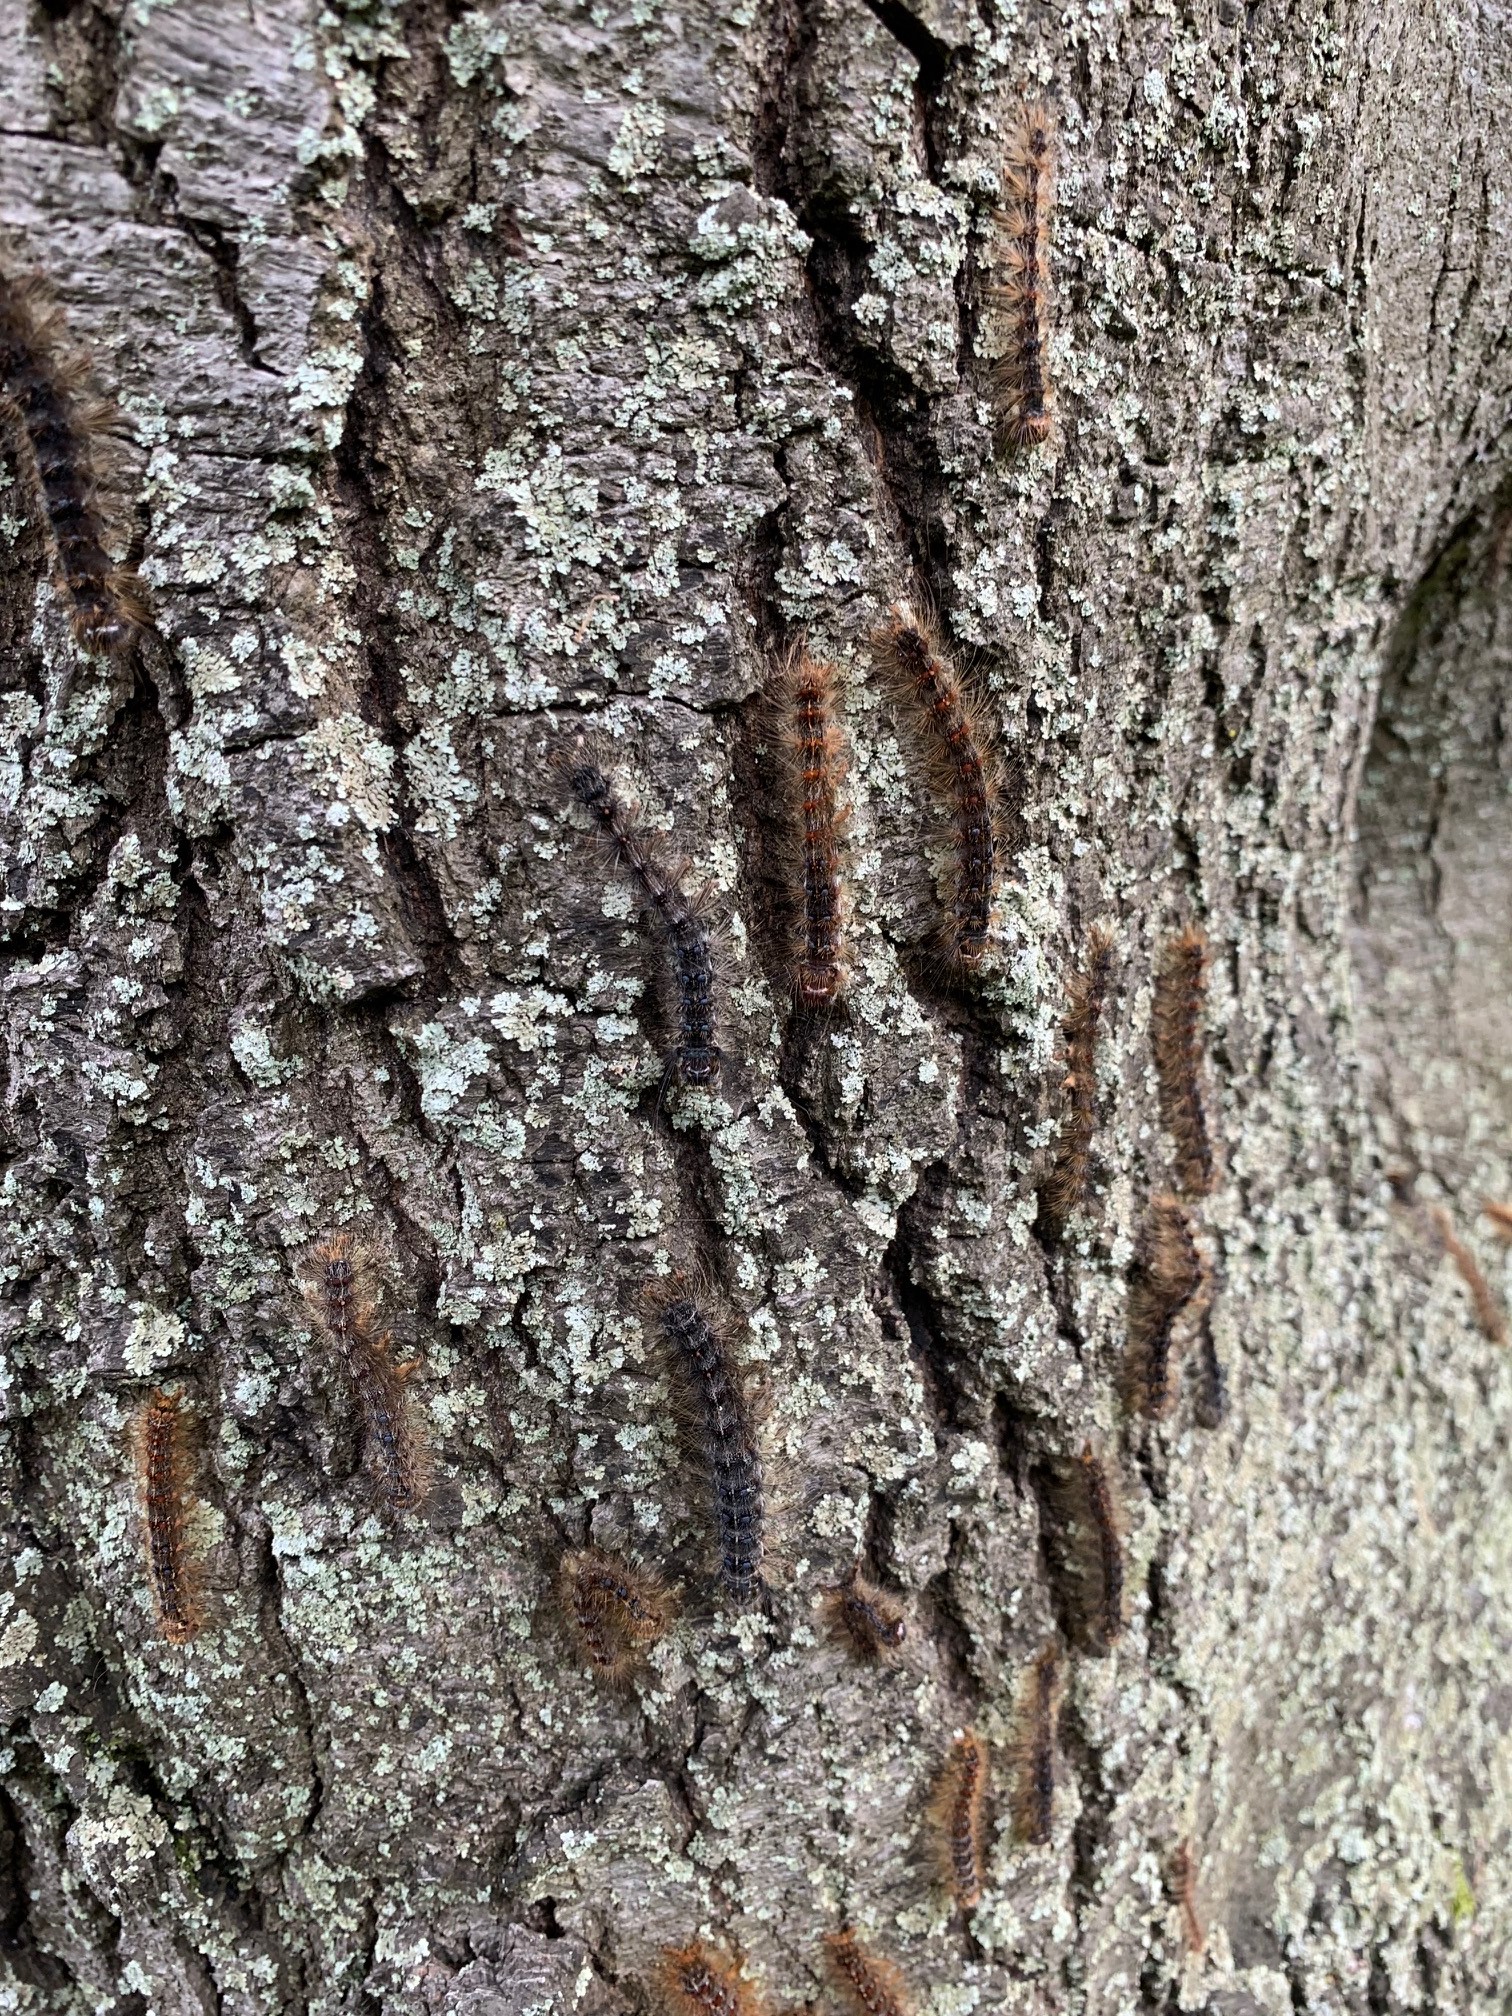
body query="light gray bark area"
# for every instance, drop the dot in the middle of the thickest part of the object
(492, 377)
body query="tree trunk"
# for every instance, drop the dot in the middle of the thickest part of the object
(492, 380)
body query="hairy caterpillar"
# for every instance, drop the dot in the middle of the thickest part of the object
(1184, 1891)
(1034, 1750)
(910, 651)
(1083, 1534)
(811, 741)
(378, 1384)
(1168, 1277)
(873, 1986)
(695, 1981)
(695, 1058)
(1180, 991)
(1067, 1184)
(871, 1621)
(1021, 375)
(1212, 1383)
(40, 396)
(717, 1421)
(1488, 1313)
(958, 1813)
(615, 1610)
(165, 1465)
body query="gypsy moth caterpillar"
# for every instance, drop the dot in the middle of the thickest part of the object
(860, 1612)
(1067, 1184)
(1212, 1381)
(813, 750)
(1180, 992)
(349, 1319)
(40, 396)
(1488, 1314)
(614, 1610)
(910, 651)
(1034, 1750)
(1168, 1276)
(1107, 1612)
(1083, 1534)
(718, 1430)
(165, 1470)
(873, 1986)
(686, 941)
(693, 1980)
(1184, 1894)
(958, 1816)
(1021, 375)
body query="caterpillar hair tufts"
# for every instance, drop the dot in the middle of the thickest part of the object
(814, 754)
(39, 395)
(165, 1475)
(871, 1985)
(719, 1431)
(1184, 1894)
(1488, 1312)
(1180, 995)
(866, 1618)
(1034, 1750)
(686, 938)
(693, 1980)
(958, 1818)
(1021, 374)
(1168, 1277)
(615, 1610)
(909, 650)
(1067, 1184)
(1084, 1542)
(378, 1384)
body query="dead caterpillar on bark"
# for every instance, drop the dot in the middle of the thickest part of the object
(1488, 1312)
(1021, 375)
(718, 1430)
(910, 651)
(873, 1986)
(349, 1320)
(813, 751)
(860, 1612)
(40, 398)
(165, 1473)
(615, 1610)
(1180, 992)
(1168, 1277)
(958, 1816)
(693, 1980)
(1067, 1184)
(1184, 1892)
(1034, 1751)
(695, 1058)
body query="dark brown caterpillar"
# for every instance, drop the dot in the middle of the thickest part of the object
(1180, 991)
(1085, 1544)
(164, 1461)
(1168, 1277)
(614, 1610)
(40, 396)
(378, 1384)
(859, 1611)
(1212, 1380)
(958, 1814)
(910, 651)
(695, 1058)
(1067, 1184)
(814, 753)
(693, 1980)
(1034, 1751)
(720, 1432)
(873, 1986)
(1021, 375)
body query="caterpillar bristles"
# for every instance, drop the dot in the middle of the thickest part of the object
(1067, 1182)
(958, 1818)
(1168, 1278)
(164, 1464)
(346, 1314)
(615, 1610)
(1021, 374)
(871, 1985)
(1034, 1750)
(694, 1980)
(866, 1618)
(1180, 994)
(803, 701)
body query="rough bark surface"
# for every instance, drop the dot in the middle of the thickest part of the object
(491, 377)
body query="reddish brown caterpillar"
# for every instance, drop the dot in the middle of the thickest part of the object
(615, 1610)
(910, 651)
(40, 388)
(1067, 1184)
(367, 1355)
(1488, 1312)
(1021, 375)
(1034, 1750)
(1500, 1214)
(1180, 992)
(873, 1986)
(1168, 1277)
(814, 750)
(958, 1816)
(165, 1472)
(695, 1058)
(719, 1430)
(1184, 1893)
(859, 1611)
(693, 1980)
(1084, 1540)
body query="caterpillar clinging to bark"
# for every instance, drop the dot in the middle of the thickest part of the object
(719, 1431)
(958, 1812)
(869, 1619)
(614, 1609)
(872, 1986)
(1021, 375)
(1168, 1277)
(165, 1465)
(1034, 1791)
(809, 736)
(1067, 1184)
(1180, 992)
(378, 1383)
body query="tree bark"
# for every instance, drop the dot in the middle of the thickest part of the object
(492, 379)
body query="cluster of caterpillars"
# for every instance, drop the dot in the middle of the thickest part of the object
(695, 1980)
